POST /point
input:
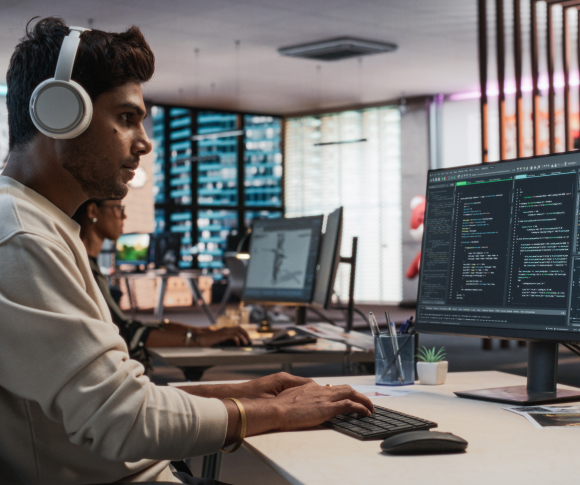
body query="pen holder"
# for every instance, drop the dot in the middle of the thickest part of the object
(395, 364)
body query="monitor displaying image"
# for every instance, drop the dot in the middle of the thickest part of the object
(133, 249)
(283, 257)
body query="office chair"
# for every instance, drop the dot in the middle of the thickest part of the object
(237, 277)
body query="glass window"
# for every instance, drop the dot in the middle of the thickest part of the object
(180, 147)
(352, 159)
(217, 170)
(158, 117)
(262, 161)
(213, 228)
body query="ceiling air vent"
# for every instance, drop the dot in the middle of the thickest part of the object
(337, 49)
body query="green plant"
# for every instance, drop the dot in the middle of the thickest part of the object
(430, 355)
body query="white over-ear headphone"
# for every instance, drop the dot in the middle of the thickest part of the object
(60, 107)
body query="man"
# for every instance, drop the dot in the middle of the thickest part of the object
(73, 407)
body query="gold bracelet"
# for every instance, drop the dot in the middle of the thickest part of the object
(243, 431)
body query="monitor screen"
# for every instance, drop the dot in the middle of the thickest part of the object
(283, 257)
(133, 249)
(328, 260)
(501, 251)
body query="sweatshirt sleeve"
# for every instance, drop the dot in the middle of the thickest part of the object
(56, 350)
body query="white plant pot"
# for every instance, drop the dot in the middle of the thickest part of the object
(432, 373)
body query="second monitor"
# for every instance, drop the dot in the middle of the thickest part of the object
(283, 259)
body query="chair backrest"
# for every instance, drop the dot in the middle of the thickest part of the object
(237, 269)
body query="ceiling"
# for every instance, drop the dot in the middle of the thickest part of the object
(437, 48)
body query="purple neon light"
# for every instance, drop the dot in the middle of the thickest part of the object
(510, 87)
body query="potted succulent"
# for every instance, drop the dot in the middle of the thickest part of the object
(432, 369)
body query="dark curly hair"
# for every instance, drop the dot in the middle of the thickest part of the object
(104, 61)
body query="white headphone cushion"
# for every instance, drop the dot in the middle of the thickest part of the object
(60, 109)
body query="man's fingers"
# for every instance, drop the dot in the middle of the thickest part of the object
(347, 392)
(348, 406)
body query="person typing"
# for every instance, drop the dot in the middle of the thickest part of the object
(103, 219)
(74, 407)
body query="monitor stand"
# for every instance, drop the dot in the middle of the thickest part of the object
(541, 387)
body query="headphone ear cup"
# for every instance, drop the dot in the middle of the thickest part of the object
(61, 109)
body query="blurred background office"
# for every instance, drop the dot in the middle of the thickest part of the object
(267, 108)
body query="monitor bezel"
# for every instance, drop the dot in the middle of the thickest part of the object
(490, 332)
(335, 262)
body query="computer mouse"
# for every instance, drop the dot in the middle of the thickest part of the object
(423, 442)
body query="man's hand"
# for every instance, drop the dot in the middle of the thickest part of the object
(311, 404)
(296, 408)
(207, 338)
(269, 386)
(262, 388)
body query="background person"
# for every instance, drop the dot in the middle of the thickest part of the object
(100, 220)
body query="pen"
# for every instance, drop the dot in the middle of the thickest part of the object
(376, 333)
(374, 325)
(395, 344)
(403, 328)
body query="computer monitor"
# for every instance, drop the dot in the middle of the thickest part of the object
(501, 258)
(328, 260)
(283, 257)
(132, 249)
(165, 250)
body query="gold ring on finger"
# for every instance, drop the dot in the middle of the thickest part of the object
(328, 385)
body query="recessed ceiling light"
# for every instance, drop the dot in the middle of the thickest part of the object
(336, 49)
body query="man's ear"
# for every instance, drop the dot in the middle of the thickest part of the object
(92, 211)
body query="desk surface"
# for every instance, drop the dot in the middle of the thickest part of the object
(327, 352)
(504, 448)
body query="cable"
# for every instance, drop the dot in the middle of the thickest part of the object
(321, 315)
(575, 348)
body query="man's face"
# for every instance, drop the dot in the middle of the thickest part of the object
(103, 159)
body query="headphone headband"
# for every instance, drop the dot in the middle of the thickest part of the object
(68, 54)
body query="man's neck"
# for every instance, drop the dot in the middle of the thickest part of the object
(36, 166)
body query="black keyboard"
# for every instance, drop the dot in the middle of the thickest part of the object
(379, 425)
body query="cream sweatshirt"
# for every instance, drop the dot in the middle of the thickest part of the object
(73, 407)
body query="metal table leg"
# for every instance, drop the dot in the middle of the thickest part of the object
(211, 466)
(196, 294)
(161, 289)
(130, 296)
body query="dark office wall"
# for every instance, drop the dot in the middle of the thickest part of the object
(414, 166)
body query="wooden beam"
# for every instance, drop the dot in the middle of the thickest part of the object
(566, 62)
(500, 43)
(535, 77)
(551, 90)
(518, 72)
(482, 22)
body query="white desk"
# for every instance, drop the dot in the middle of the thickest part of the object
(323, 352)
(504, 448)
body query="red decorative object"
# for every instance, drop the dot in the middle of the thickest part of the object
(416, 231)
